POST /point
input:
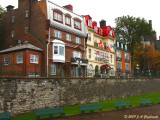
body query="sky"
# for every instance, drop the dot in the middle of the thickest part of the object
(110, 9)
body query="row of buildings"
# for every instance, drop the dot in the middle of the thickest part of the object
(41, 38)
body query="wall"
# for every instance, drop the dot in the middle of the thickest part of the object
(24, 95)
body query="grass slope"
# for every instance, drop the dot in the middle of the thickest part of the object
(106, 105)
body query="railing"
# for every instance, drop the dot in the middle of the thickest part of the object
(127, 60)
(119, 58)
(78, 59)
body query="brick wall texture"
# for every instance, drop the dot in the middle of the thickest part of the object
(20, 96)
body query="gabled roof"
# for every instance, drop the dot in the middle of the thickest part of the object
(21, 47)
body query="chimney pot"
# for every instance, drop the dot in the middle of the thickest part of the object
(9, 8)
(102, 23)
(69, 7)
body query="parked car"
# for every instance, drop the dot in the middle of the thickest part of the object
(101, 75)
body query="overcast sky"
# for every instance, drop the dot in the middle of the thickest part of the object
(110, 9)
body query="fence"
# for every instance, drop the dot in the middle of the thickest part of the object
(35, 70)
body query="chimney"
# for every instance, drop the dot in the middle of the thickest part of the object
(150, 22)
(102, 23)
(9, 8)
(69, 7)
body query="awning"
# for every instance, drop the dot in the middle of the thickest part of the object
(106, 66)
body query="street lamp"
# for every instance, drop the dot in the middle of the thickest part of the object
(137, 68)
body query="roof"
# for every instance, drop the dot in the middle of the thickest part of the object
(21, 47)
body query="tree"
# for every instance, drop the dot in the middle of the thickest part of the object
(132, 30)
(147, 58)
(1, 12)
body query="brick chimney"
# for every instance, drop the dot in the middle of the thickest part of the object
(9, 8)
(69, 7)
(102, 23)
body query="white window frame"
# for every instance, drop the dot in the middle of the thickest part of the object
(12, 34)
(59, 49)
(78, 40)
(126, 56)
(26, 30)
(27, 14)
(117, 44)
(68, 37)
(53, 69)
(57, 16)
(57, 34)
(7, 60)
(19, 58)
(119, 65)
(90, 23)
(13, 19)
(125, 47)
(89, 36)
(126, 66)
(77, 24)
(68, 21)
(122, 45)
(77, 54)
(119, 54)
(34, 58)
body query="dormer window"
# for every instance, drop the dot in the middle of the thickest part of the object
(77, 24)
(57, 16)
(117, 44)
(125, 47)
(95, 29)
(101, 32)
(90, 23)
(68, 21)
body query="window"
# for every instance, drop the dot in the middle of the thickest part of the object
(117, 44)
(12, 34)
(78, 40)
(53, 69)
(55, 49)
(26, 30)
(119, 65)
(19, 58)
(68, 21)
(121, 45)
(101, 32)
(111, 59)
(89, 53)
(125, 47)
(90, 23)
(57, 16)
(119, 54)
(13, 18)
(89, 36)
(7, 60)
(77, 54)
(26, 14)
(33, 58)
(77, 24)
(127, 66)
(95, 29)
(68, 37)
(33, 74)
(57, 34)
(61, 50)
(126, 56)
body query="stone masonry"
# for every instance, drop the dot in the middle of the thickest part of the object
(20, 96)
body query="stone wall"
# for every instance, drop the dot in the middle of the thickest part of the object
(24, 95)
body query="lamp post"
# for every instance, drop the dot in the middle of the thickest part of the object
(137, 68)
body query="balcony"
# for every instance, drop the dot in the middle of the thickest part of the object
(83, 62)
(95, 44)
(127, 71)
(119, 70)
(119, 59)
(127, 60)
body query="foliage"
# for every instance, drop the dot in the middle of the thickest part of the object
(1, 12)
(147, 58)
(132, 30)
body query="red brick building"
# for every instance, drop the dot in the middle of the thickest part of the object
(57, 31)
(123, 59)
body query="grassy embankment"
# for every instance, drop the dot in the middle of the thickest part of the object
(106, 105)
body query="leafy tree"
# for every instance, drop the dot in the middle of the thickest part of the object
(1, 12)
(133, 31)
(147, 58)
